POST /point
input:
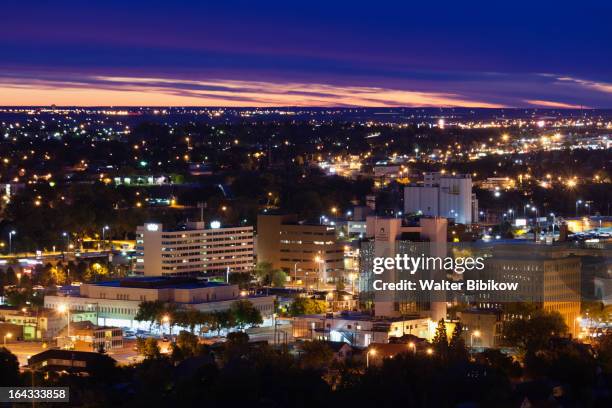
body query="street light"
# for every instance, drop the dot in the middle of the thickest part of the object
(429, 351)
(577, 320)
(7, 336)
(553, 225)
(413, 347)
(63, 308)
(10, 235)
(372, 352)
(475, 333)
(106, 227)
(578, 202)
(321, 263)
(535, 210)
(295, 272)
(166, 319)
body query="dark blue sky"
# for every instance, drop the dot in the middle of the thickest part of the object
(465, 53)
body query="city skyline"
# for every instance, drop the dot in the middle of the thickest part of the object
(228, 54)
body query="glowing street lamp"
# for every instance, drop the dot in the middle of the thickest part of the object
(413, 347)
(104, 229)
(63, 308)
(10, 236)
(166, 320)
(429, 351)
(577, 320)
(7, 336)
(370, 352)
(475, 333)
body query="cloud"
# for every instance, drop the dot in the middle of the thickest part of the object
(100, 90)
(593, 85)
(553, 104)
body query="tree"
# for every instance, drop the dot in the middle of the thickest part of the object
(242, 279)
(222, 319)
(236, 346)
(500, 361)
(245, 313)
(188, 344)
(604, 352)
(268, 275)
(279, 278)
(456, 347)
(149, 311)
(316, 354)
(151, 349)
(9, 368)
(306, 306)
(440, 340)
(534, 333)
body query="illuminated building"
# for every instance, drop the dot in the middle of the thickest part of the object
(193, 250)
(443, 195)
(548, 277)
(359, 329)
(309, 253)
(116, 302)
(387, 237)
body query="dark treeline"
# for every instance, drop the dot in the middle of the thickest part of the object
(239, 372)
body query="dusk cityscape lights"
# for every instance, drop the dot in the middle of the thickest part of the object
(305, 204)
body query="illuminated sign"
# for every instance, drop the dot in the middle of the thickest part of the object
(520, 222)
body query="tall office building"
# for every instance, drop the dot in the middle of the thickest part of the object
(548, 277)
(386, 238)
(194, 249)
(309, 253)
(443, 195)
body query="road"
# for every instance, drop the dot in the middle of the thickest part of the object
(283, 330)
(24, 349)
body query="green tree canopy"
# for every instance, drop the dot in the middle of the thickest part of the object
(534, 333)
(306, 306)
(245, 313)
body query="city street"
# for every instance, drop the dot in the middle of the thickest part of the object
(23, 350)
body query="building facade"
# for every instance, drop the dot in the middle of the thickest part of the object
(359, 329)
(309, 253)
(443, 195)
(548, 277)
(193, 250)
(43, 324)
(388, 237)
(116, 302)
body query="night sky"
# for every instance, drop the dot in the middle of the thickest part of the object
(535, 53)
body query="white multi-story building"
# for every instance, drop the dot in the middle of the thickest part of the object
(193, 250)
(443, 195)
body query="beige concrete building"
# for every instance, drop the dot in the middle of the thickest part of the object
(86, 336)
(42, 324)
(548, 277)
(116, 302)
(196, 249)
(309, 253)
(482, 328)
(387, 237)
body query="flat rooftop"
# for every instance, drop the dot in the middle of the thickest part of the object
(159, 282)
(358, 316)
